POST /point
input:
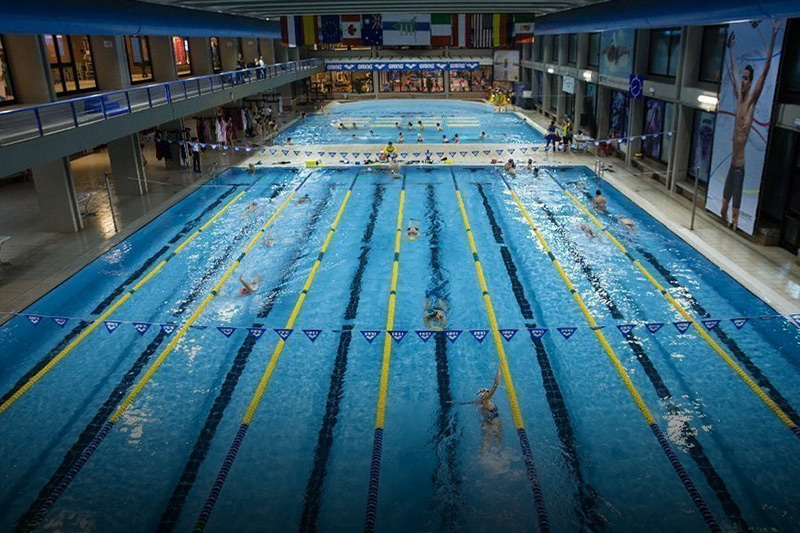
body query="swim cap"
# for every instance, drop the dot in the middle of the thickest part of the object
(482, 392)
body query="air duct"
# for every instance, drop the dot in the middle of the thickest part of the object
(125, 17)
(622, 14)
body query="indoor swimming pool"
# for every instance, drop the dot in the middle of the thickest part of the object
(148, 392)
(467, 119)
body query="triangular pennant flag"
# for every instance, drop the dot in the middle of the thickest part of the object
(682, 325)
(463, 154)
(272, 151)
(416, 154)
(203, 145)
(308, 153)
(224, 147)
(452, 334)
(141, 327)
(263, 150)
(508, 334)
(479, 334)
(226, 330)
(523, 150)
(285, 152)
(111, 325)
(440, 154)
(567, 332)
(424, 334)
(652, 327)
(331, 154)
(356, 154)
(739, 322)
(283, 333)
(60, 320)
(320, 154)
(256, 332)
(404, 155)
(398, 335)
(499, 152)
(487, 152)
(452, 154)
(710, 324)
(168, 328)
(296, 152)
(475, 153)
(213, 146)
(370, 334)
(597, 143)
(537, 333)
(510, 150)
(312, 334)
(35, 319)
(626, 328)
(796, 318)
(343, 154)
(248, 149)
(236, 148)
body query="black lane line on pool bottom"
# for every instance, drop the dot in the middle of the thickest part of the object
(174, 507)
(312, 499)
(692, 444)
(447, 476)
(66, 470)
(589, 516)
(758, 375)
(102, 306)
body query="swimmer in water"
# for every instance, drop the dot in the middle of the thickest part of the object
(249, 287)
(400, 138)
(599, 202)
(491, 427)
(456, 138)
(588, 231)
(412, 232)
(483, 135)
(419, 138)
(510, 167)
(341, 126)
(410, 126)
(628, 222)
(355, 126)
(394, 168)
(303, 199)
(421, 127)
(529, 166)
(438, 127)
(397, 125)
(252, 206)
(251, 168)
(445, 139)
(433, 314)
(269, 240)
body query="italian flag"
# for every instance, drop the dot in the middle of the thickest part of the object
(441, 29)
(461, 30)
(523, 29)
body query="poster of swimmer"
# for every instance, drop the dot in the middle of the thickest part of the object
(506, 65)
(616, 53)
(752, 56)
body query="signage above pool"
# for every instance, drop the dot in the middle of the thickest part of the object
(402, 65)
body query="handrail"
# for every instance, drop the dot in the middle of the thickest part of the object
(25, 123)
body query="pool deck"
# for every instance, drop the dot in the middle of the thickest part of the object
(42, 260)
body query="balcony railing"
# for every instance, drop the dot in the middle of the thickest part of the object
(27, 123)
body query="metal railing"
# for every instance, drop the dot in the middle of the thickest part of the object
(27, 123)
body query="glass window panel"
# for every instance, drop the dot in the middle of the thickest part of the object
(180, 49)
(572, 48)
(6, 89)
(712, 53)
(554, 39)
(479, 80)
(216, 58)
(84, 65)
(702, 141)
(63, 49)
(138, 52)
(49, 43)
(594, 50)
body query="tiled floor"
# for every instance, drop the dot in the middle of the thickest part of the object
(41, 259)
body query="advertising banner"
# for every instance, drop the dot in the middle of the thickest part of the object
(506, 65)
(744, 112)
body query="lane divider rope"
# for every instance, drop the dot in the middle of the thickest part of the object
(530, 466)
(255, 401)
(687, 482)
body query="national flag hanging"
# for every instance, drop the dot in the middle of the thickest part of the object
(309, 30)
(351, 30)
(523, 28)
(481, 31)
(291, 31)
(441, 29)
(461, 30)
(501, 30)
(330, 29)
(405, 29)
(372, 30)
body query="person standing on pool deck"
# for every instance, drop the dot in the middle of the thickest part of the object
(743, 117)
(195, 155)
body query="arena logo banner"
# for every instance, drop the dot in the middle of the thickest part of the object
(402, 65)
(506, 65)
(743, 119)
(616, 53)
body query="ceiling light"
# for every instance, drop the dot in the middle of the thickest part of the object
(708, 100)
(550, 70)
(587, 75)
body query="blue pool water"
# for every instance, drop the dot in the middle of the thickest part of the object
(467, 119)
(305, 462)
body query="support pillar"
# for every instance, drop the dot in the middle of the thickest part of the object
(250, 50)
(164, 69)
(281, 52)
(29, 68)
(55, 192)
(200, 56)
(229, 53)
(266, 48)
(560, 97)
(127, 166)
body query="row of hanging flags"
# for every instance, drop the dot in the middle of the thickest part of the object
(398, 335)
(409, 29)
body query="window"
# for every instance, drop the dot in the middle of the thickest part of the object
(6, 90)
(555, 91)
(702, 142)
(587, 119)
(71, 63)
(712, 54)
(554, 40)
(572, 48)
(538, 49)
(653, 127)
(479, 80)
(594, 50)
(664, 48)
(790, 68)
(408, 81)
(342, 82)
(138, 51)
(618, 115)
(216, 58)
(539, 91)
(180, 49)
